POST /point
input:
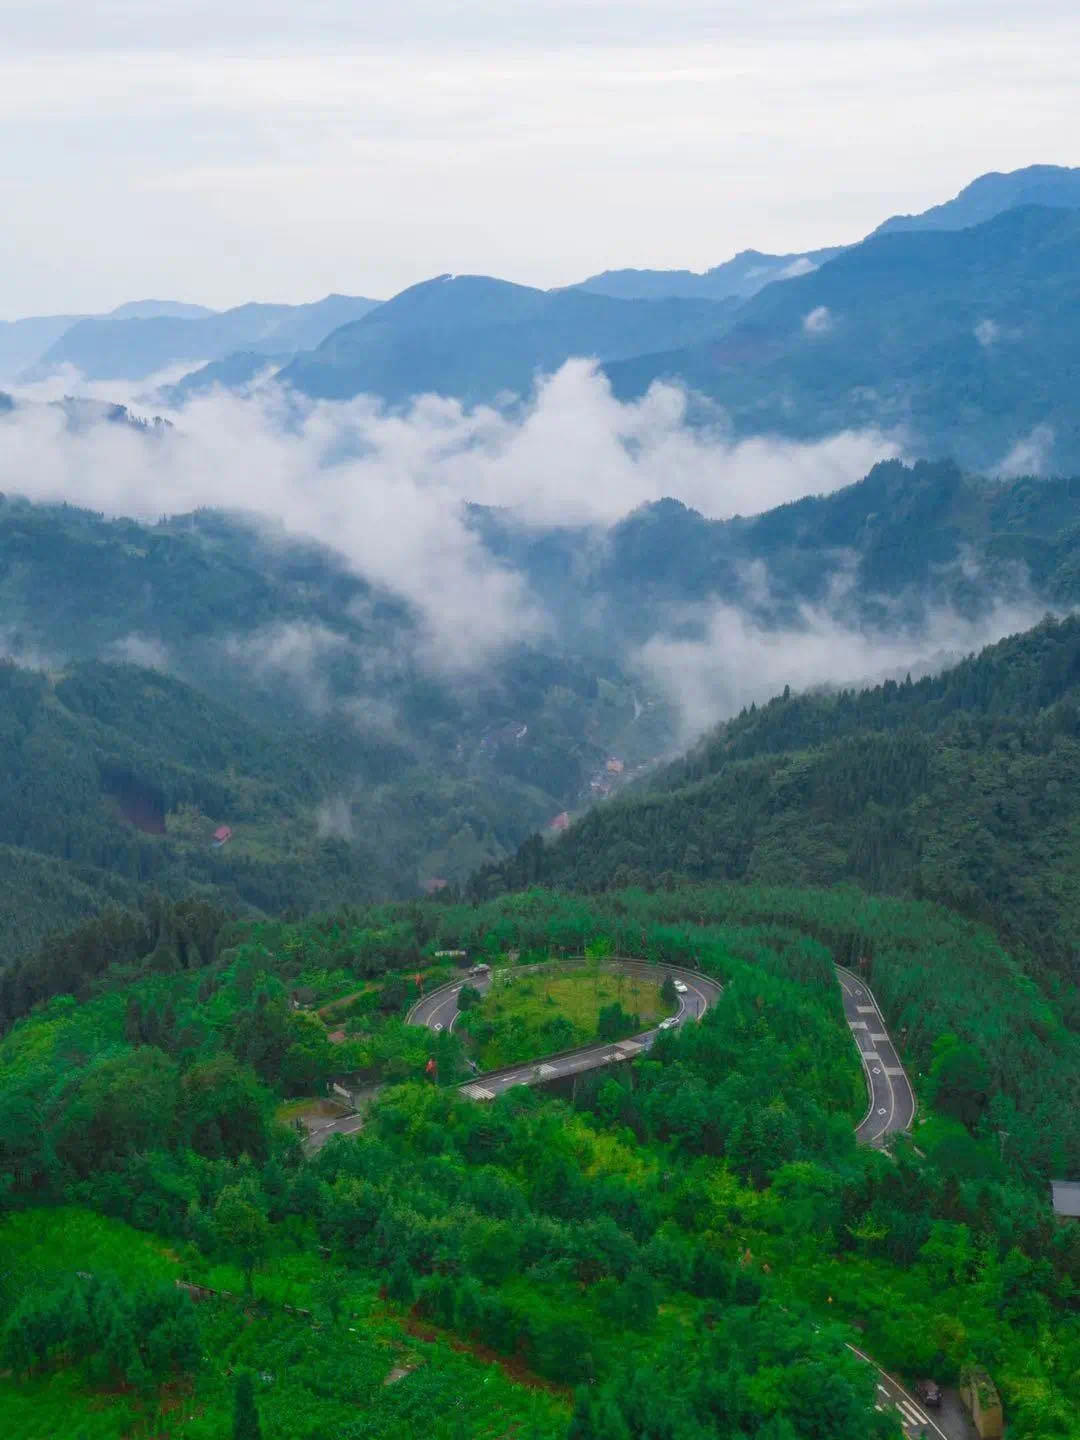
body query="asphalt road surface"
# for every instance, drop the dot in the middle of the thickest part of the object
(892, 1101)
(948, 1423)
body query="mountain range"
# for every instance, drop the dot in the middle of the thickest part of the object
(963, 342)
(475, 339)
(115, 347)
(934, 338)
(164, 680)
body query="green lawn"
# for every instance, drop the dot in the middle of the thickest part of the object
(531, 1013)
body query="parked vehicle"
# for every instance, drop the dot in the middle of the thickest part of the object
(681, 986)
(929, 1392)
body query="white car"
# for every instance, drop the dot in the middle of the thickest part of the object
(681, 986)
(668, 1023)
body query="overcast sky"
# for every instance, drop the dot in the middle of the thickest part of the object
(240, 150)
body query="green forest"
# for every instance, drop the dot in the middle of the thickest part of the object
(681, 1249)
(963, 787)
(158, 681)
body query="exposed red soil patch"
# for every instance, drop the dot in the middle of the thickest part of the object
(513, 1366)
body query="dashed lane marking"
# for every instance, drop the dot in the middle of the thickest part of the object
(866, 1009)
(879, 1036)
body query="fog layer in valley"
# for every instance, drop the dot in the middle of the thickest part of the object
(389, 492)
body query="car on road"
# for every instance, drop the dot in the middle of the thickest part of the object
(681, 986)
(929, 1392)
(668, 1023)
(480, 970)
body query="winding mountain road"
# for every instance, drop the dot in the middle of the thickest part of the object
(891, 1109)
(891, 1105)
(892, 1100)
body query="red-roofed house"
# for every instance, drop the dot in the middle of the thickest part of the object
(222, 836)
(560, 823)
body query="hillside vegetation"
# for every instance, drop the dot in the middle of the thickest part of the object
(681, 1252)
(276, 693)
(964, 787)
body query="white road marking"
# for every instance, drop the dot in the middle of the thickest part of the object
(866, 1009)
(879, 1036)
(858, 1025)
(934, 1426)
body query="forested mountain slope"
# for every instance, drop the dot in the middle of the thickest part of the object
(889, 550)
(113, 782)
(229, 676)
(413, 775)
(964, 787)
(960, 339)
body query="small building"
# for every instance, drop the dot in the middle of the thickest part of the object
(435, 884)
(1066, 1199)
(222, 836)
(614, 766)
(303, 997)
(560, 823)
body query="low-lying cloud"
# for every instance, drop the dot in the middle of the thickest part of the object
(739, 661)
(819, 321)
(388, 490)
(1030, 455)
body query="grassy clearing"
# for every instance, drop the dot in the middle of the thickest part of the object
(579, 998)
(310, 1109)
(527, 1014)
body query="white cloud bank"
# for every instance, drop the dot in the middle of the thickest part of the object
(388, 491)
(739, 662)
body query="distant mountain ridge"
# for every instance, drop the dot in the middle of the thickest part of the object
(160, 309)
(474, 338)
(110, 348)
(738, 278)
(749, 271)
(23, 342)
(1055, 186)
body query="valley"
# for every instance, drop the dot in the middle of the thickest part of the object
(540, 823)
